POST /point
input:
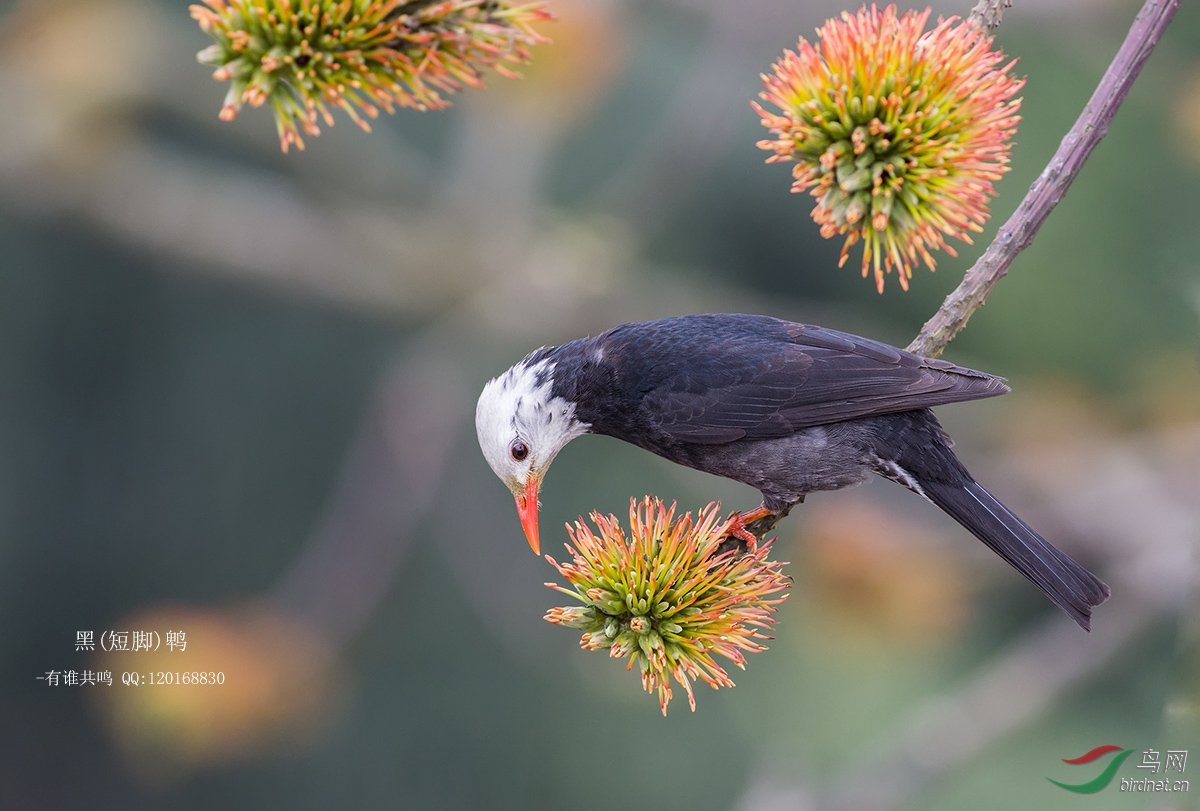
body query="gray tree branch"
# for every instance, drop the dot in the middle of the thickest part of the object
(1016, 234)
(988, 12)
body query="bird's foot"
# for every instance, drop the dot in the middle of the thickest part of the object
(746, 529)
(761, 526)
(737, 529)
(740, 524)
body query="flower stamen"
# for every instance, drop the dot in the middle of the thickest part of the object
(666, 596)
(302, 56)
(880, 107)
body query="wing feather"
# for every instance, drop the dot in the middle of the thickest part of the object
(728, 378)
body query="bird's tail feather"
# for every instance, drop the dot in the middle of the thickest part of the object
(1070, 586)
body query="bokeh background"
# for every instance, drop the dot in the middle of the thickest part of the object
(236, 391)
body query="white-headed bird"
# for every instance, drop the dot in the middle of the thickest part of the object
(786, 408)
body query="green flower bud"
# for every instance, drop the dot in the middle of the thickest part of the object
(670, 558)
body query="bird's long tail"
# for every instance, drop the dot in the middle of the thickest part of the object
(912, 449)
(1070, 586)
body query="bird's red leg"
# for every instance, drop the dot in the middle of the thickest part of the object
(738, 522)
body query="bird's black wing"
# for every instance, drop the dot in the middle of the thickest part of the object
(720, 378)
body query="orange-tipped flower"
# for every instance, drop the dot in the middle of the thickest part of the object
(667, 595)
(305, 56)
(898, 132)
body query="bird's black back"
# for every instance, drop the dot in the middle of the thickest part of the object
(719, 378)
(792, 409)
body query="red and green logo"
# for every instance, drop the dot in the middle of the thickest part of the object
(1101, 780)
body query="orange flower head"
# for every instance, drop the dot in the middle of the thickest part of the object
(899, 133)
(304, 57)
(669, 595)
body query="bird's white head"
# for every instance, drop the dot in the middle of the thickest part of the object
(522, 426)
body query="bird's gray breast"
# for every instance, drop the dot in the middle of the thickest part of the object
(825, 457)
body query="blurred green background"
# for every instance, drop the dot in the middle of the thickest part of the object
(236, 391)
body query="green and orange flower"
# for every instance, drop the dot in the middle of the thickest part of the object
(669, 595)
(898, 132)
(304, 57)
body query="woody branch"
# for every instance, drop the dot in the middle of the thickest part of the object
(1016, 234)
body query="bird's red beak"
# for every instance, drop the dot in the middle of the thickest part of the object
(527, 508)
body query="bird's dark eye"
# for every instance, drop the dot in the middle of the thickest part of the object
(519, 451)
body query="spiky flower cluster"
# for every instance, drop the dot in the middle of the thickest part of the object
(305, 56)
(898, 132)
(670, 595)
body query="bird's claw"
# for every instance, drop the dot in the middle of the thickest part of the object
(750, 527)
(737, 529)
(739, 526)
